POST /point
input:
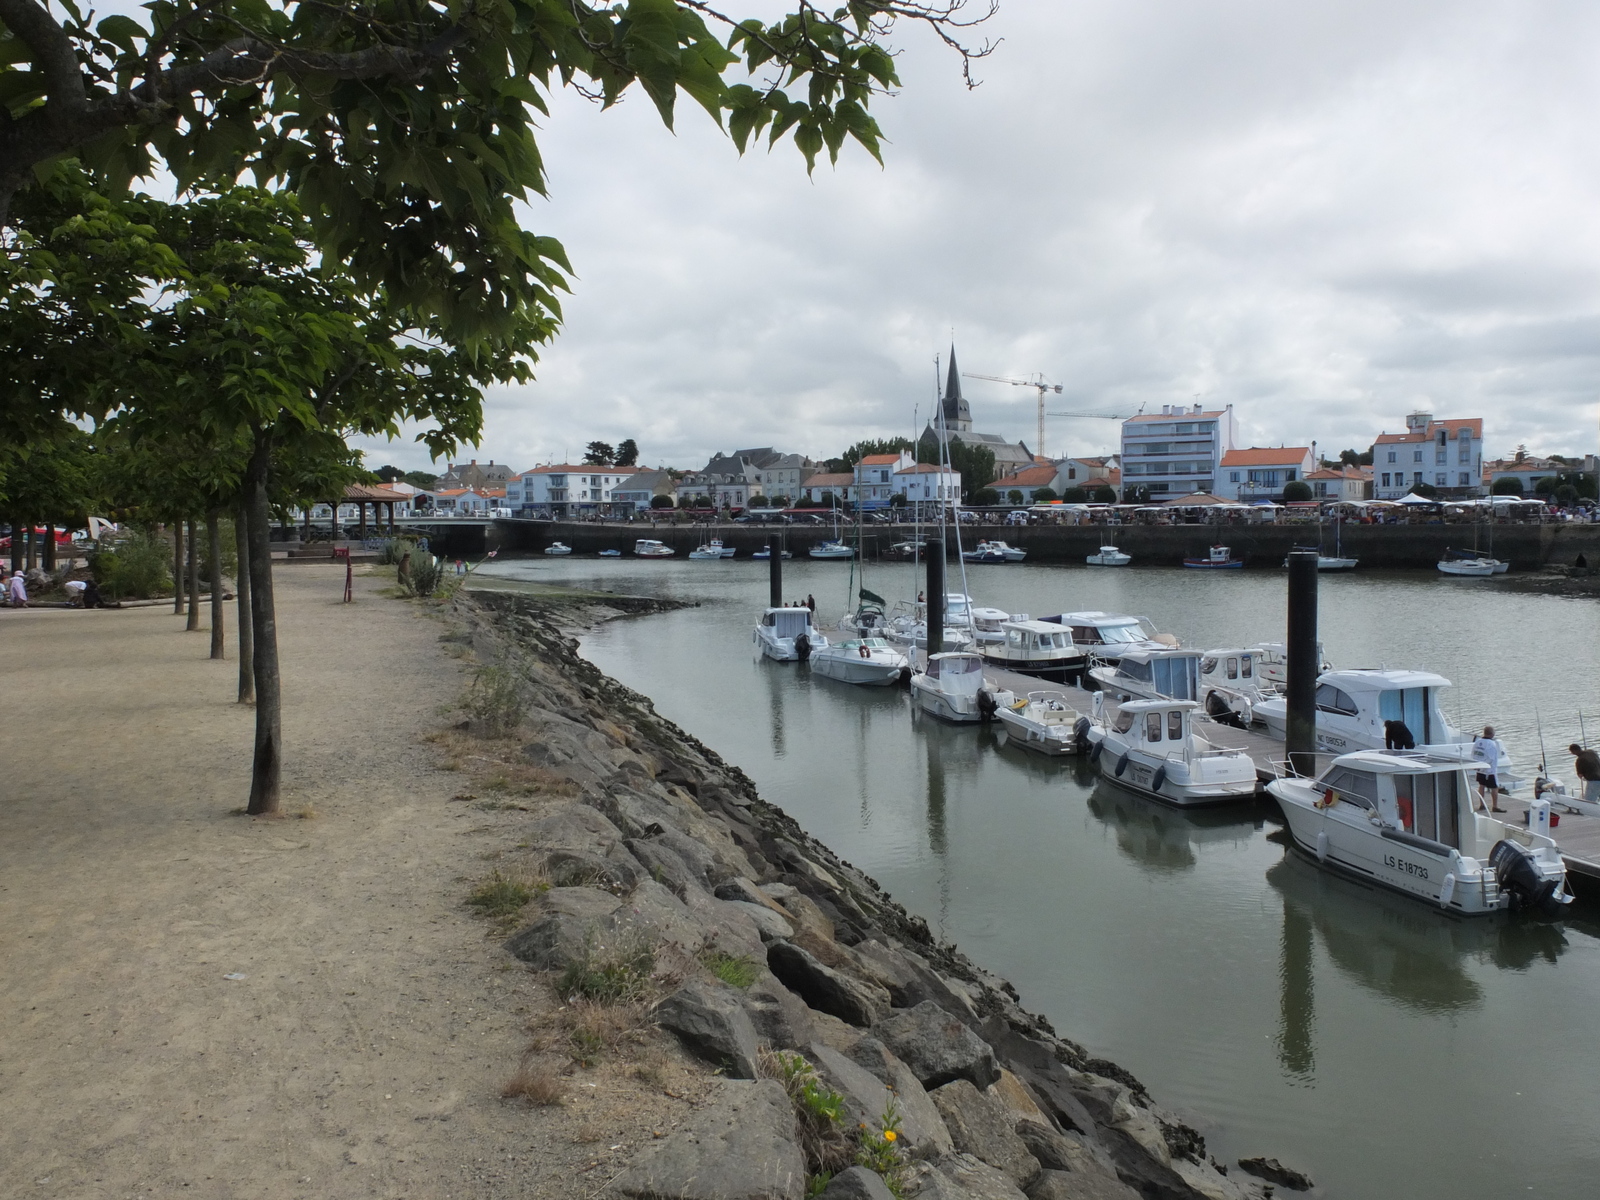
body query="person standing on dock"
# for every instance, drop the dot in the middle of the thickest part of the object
(1489, 752)
(1587, 765)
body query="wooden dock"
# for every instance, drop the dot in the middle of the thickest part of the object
(1577, 835)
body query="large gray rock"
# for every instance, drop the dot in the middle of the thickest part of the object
(772, 926)
(655, 913)
(922, 1131)
(566, 748)
(857, 1183)
(1064, 1151)
(781, 1018)
(727, 927)
(616, 871)
(919, 1119)
(937, 1047)
(1070, 1185)
(740, 888)
(712, 1023)
(552, 943)
(663, 864)
(959, 1177)
(575, 827)
(824, 989)
(741, 1147)
(585, 903)
(980, 1126)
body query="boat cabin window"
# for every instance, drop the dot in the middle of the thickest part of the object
(1427, 806)
(1152, 727)
(1233, 668)
(1135, 670)
(1331, 700)
(1014, 637)
(1246, 667)
(1354, 787)
(1086, 635)
(1207, 665)
(1124, 721)
(1175, 726)
(1411, 706)
(1118, 634)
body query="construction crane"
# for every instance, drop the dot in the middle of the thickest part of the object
(1039, 383)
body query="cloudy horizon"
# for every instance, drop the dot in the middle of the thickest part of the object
(1327, 216)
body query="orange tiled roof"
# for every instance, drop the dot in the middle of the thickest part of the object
(879, 460)
(1266, 456)
(1034, 477)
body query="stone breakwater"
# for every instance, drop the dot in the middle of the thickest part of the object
(663, 843)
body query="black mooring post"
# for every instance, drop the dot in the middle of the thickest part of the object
(935, 605)
(1301, 693)
(775, 570)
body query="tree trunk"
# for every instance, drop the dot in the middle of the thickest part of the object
(177, 568)
(16, 544)
(214, 542)
(266, 774)
(33, 548)
(49, 550)
(194, 579)
(241, 539)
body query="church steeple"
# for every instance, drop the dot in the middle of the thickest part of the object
(957, 416)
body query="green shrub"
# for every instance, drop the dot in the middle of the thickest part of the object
(610, 974)
(394, 549)
(880, 1149)
(494, 701)
(134, 563)
(736, 970)
(427, 573)
(818, 1110)
(500, 897)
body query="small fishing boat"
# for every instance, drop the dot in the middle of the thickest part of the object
(1153, 748)
(611, 554)
(1405, 820)
(1109, 556)
(1108, 636)
(832, 549)
(650, 548)
(1218, 558)
(993, 552)
(558, 548)
(1467, 568)
(765, 554)
(712, 549)
(952, 688)
(1231, 685)
(867, 662)
(1044, 722)
(788, 635)
(1035, 648)
(1155, 673)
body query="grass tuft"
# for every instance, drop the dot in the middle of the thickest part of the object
(611, 974)
(736, 970)
(536, 1084)
(501, 897)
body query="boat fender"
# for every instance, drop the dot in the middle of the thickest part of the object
(1080, 730)
(1122, 764)
(1322, 846)
(802, 648)
(1158, 779)
(1447, 889)
(1094, 752)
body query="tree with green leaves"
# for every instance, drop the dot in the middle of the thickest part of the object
(975, 464)
(847, 461)
(1507, 485)
(1296, 491)
(1105, 494)
(627, 454)
(599, 454)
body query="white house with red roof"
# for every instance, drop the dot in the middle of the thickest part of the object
(1177, 451)
(564, 489)
(874, 478)
(928, 485)
(1261, 472)
(1026, 482)
(1341, 483)
(1447, 454)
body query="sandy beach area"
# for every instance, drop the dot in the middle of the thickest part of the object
(201, 1003)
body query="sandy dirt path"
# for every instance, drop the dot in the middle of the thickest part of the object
(363, 1051)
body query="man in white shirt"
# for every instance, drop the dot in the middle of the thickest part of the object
(1489, 753)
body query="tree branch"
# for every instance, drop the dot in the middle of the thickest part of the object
(54, 53)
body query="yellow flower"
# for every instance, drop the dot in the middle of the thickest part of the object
(889, 1135)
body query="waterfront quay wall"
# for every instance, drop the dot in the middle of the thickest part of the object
(654, 836)
(1416, 547)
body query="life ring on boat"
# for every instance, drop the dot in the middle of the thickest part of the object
(866, 652)
(1122, 764)
(1158, 779)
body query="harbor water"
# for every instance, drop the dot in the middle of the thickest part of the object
(1380, 1046)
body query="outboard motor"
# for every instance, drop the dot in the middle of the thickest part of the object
(1517, 876)
(986, 704)
(802, 648)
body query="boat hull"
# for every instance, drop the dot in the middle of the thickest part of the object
(957, 709)
(1109, 560)
(1205, 564)
(1136, 770)
(1057, 741)
(1054, 670)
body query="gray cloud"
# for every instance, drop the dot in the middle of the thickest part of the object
(1325, 214)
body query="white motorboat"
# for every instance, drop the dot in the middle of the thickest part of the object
(650, 548)
(869, 662)
(994, 552)
(1035, 648)
(984, 624)
(1467, 568)
(765, 554)
(908, 628)
(611, 554)
(1109, 556)
(1153, 748)
(1151, 674)
(1109, 635)
(1045, 722)
(788, 635)
(1231, 685)
(712, 549)
(1329, 562)
(952, 688)
(1405, 819)
(832, 549)
(1272, 661)
(558, 548)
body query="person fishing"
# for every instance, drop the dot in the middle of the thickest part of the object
(1489, 751)
(1587, 764)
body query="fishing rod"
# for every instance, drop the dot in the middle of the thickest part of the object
(1544, 766)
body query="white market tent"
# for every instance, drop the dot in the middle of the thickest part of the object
(1413, 500)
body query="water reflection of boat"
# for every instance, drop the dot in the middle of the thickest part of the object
(1163, 838)
(1399, 949)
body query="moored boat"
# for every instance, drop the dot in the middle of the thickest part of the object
(952, 688)
(867, 662)
(558, 548)
(1231, 685)
(1405, 820)
(1035, 648)
(831, 549)
(611, 554)
(788, 635)
(712, 549)
(1154, 673)
(650, 548)
(1044, 722)
(1110, 635)
(1109, 556)
(1218, 558)
(1153, 748)
(765, 554)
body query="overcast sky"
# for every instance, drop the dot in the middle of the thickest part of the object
(1326, 214)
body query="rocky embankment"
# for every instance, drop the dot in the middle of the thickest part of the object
(847, 1039)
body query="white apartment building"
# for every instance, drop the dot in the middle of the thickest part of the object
(1176, 451)
(564, 489)
(1262, 472)
(927, 484)
(874, 477)
(1446, 454)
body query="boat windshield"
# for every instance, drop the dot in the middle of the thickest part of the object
(1114, 635)
(1354, 787)
(1124, 721)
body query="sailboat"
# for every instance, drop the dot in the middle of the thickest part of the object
(1330, 562)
